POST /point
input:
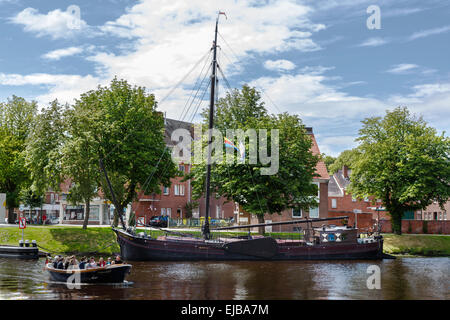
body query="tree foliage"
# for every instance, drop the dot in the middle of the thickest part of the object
(16, 121)
(345, 158)
(290, 187)
(403, 162)
(44, 148)
(126, 131)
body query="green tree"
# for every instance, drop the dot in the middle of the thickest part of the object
(328, 160)
(44, 149)
(79, 161)
(16, 121)
(290, 187)
(31, 199)
(128, 134)
(403, 162)
(347, 158)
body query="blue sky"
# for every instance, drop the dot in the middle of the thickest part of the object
(314, 58)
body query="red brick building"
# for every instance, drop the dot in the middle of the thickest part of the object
(341, 203)
(173, 199)
(290, 215)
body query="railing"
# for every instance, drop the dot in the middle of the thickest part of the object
(198, 222)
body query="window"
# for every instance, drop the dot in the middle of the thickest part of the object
(179, 190)
(181, 167)
(314, 212)
(163, 211)
(334, 203)
(296, 213)
(353, 199)
(435, 216)
(166, 190)
(169, 212)
(217, 211)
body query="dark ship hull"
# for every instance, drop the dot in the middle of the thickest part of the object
(19, 252)
(134, 248)
(109, 274)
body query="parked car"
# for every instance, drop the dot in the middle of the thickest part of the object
(52, 221)
(158, 221)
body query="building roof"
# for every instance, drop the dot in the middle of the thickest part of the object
(338, 183)
(321, 168)
(171, 125)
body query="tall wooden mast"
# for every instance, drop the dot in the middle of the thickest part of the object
(206, 232)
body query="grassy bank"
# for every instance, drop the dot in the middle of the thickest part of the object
(65, 240)
(417, 244)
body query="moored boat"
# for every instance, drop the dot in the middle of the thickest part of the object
(19, 252)
(325, 243)
(115, 273)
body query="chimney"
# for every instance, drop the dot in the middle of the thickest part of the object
(345, 171)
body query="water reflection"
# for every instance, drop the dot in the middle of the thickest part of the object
(403, 278)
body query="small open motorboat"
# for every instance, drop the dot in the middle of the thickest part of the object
(110, 274)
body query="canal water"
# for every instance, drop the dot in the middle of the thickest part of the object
(402, 278)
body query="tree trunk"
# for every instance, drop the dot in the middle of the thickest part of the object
(86, 215)
(11, 215)
(116, 220)
(396, 221)
(261, 230)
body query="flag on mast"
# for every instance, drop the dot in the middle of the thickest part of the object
(221, 12)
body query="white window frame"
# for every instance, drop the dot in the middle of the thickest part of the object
(334, 203)
(169, 212)
(181, 189)
(166, 191)
(296, 216)
(318, 200)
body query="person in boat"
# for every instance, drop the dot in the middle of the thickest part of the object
(101, 262)
(73, 263)
(109, 261)
(91, 264)
(55, 262)
(60, 264)
(82, 264)
(118, 260)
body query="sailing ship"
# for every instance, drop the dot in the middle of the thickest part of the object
(324, 243)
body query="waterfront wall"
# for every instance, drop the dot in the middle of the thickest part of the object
(419, 226)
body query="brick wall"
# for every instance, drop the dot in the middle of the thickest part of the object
(417, 226)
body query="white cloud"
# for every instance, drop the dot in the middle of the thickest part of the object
(402, 68)
(428, 32)
(279, 65)
(170, 37)
(57, 24)
(60, 53)
(374, 42)
(64, 87)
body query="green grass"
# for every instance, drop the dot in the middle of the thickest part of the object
(64, 240)
(420, 244)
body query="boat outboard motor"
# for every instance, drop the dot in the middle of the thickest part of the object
(27, 243)
(20, 243)
(33, 243)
